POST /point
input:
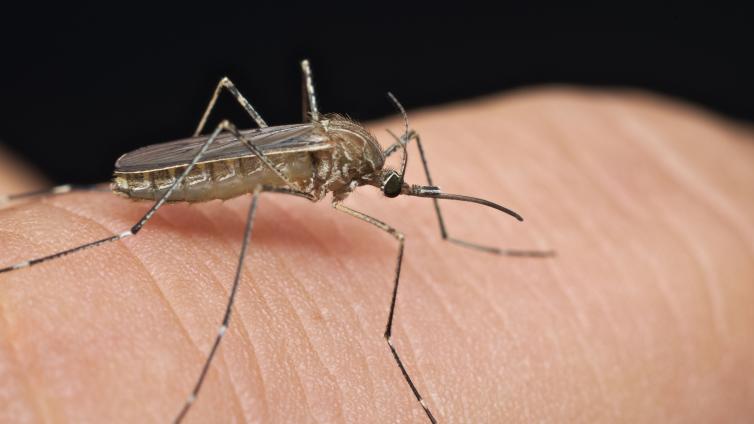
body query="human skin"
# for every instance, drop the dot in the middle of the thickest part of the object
(644, 315)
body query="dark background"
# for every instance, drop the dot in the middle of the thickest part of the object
(80, 86)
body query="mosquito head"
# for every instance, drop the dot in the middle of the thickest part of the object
(392, 185)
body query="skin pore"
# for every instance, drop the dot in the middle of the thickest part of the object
(644, 315)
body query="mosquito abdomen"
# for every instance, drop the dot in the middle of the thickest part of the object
(222, 179)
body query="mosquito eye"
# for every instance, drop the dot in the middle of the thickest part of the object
(392, 187)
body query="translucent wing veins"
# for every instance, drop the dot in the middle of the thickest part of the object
(270, 140)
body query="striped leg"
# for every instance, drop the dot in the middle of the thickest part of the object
(136, 227)
(309, 101)
(53, 191)
(227, 84)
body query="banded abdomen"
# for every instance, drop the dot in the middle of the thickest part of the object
(221, 179)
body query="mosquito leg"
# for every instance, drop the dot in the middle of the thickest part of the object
(309, 100)
(285, 190)
(227, 84)
(413, 135)
(136, 227)
(399, 141)
(53, 191)
(389, 327)
(228, 310)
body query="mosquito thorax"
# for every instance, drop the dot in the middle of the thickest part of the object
(356, 156)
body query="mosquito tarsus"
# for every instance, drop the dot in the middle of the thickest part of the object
(325, 154)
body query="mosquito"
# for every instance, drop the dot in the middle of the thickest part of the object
(327, 153)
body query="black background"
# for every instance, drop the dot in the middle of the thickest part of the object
(81, 85)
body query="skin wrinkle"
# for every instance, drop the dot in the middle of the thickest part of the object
(321, 246)
(31, 394)
(221, 360)
(154, 283)
(621, 205)
(164, 301)
(532, 390)
(37, 400)
(153, 280)
(475, 159)
(684, 332)
(644, 214)
(697, 262)
(242, 327)
(19, 235)
(534, 165)
(624, 205)
(502, 317)
(500, 314)
(244, 335)
(408, 356)
(417, 374)
(535, 236)
(644, 132)
(605, 246)
(584, 344)
(263, 308)
(736, 230)
(688, 247)
(542, 300)
(397, 327)
(562, 286)
(362, 295)
(497, 313)
(133, 255)
(324, 247)
(313, 347)
(292, 279)
(569, 206)
(681, 170)
(424, 278)
(681, 167)
(677, 321)
(266, 307)
(317, 348)
(300, 329)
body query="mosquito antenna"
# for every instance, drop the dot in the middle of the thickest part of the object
(434, 192)
(404, 137)
(403, 112)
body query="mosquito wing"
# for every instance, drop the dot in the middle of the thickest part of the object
(270, 140)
